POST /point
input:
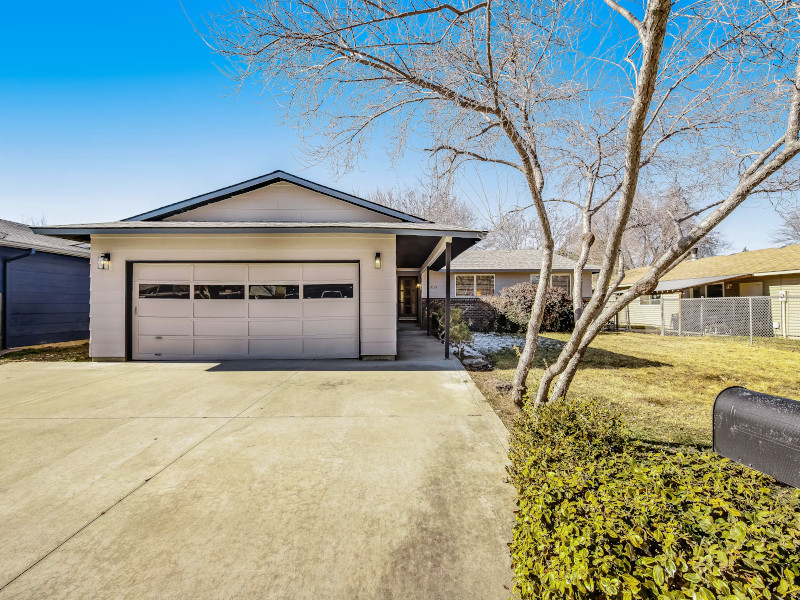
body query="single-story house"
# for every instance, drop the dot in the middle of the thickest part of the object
(476, 274)
(44, 288)
(772, 273)
(273, 267)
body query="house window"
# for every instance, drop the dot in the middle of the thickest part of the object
(164, 290)
(465, 285)
(274, 292)
(470, 286)
(219, 292)
(561, 282)
(484, 285)
(315, 291)
(651, 300)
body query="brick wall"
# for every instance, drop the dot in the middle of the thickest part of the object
(477, 313)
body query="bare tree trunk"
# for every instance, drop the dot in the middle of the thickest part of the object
(652, 32)
(587, 239)
(534, 323)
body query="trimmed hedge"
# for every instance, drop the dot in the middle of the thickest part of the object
(516, 301)
(599, 517)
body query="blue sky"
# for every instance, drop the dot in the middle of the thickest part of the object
(110, 109)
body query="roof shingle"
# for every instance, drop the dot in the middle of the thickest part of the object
(19, 235)
(509, 260)
(769, 260)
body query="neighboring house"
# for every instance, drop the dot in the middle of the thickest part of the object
(480, 273)
(273, 267)
(44, 288)
(773, 272)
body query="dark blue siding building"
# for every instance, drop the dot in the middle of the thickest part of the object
(44, 288)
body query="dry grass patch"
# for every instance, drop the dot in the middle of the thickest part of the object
(664, 386)
(61, 353)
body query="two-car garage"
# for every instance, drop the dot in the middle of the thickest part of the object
(212, 311)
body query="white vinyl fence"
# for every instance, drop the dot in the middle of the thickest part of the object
(750, 316)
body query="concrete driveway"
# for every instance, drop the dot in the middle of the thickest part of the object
(324, 479)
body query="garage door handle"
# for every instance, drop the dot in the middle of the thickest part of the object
(159, 337)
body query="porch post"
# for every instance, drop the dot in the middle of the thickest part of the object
(447, 301)
(428, 300)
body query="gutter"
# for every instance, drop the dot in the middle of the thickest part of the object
(4, 296)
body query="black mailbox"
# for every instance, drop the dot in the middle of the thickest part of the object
(759, 430)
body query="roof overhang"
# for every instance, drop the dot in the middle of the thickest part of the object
(263, 181)
(77, 252)
(84, 232)
(682, 284)
(518, 270)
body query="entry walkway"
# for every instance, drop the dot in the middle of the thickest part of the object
(273, 479)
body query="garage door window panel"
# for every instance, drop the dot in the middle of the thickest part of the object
(327, 291)
(164, 291)
(219, 292)
(274, 292)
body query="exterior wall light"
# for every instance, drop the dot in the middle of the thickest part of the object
(377, 260)
(104, 261)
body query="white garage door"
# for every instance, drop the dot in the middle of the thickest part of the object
(210, 311)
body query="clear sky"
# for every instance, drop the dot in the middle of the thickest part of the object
(108, 109)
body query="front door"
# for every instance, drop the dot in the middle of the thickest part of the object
(407, 297)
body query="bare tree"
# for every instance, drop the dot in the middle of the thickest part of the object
(651, 228)
(508, 84)
(788, 231)
(39, 221)
(518, 230)
(432, 201)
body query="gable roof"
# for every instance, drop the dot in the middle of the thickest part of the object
(753, 262)
(19, 235)
(159, 214)
(493, 261)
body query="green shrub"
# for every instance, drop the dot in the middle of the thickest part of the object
(460, 334)
(515, 303)
(600, 518)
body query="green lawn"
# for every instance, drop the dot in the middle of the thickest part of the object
(664, 386)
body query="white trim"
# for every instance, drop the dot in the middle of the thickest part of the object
(776, 273)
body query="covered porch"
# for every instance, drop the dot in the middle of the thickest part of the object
(417, 257)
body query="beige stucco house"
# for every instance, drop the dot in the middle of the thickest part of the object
(478, 273)
(273, 267)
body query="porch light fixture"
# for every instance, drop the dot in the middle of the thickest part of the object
(377, 260)
(104, 261)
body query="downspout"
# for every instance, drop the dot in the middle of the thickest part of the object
(4, 297)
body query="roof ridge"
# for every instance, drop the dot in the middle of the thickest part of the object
(255, 183)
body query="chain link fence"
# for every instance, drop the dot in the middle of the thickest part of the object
(749, 317)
